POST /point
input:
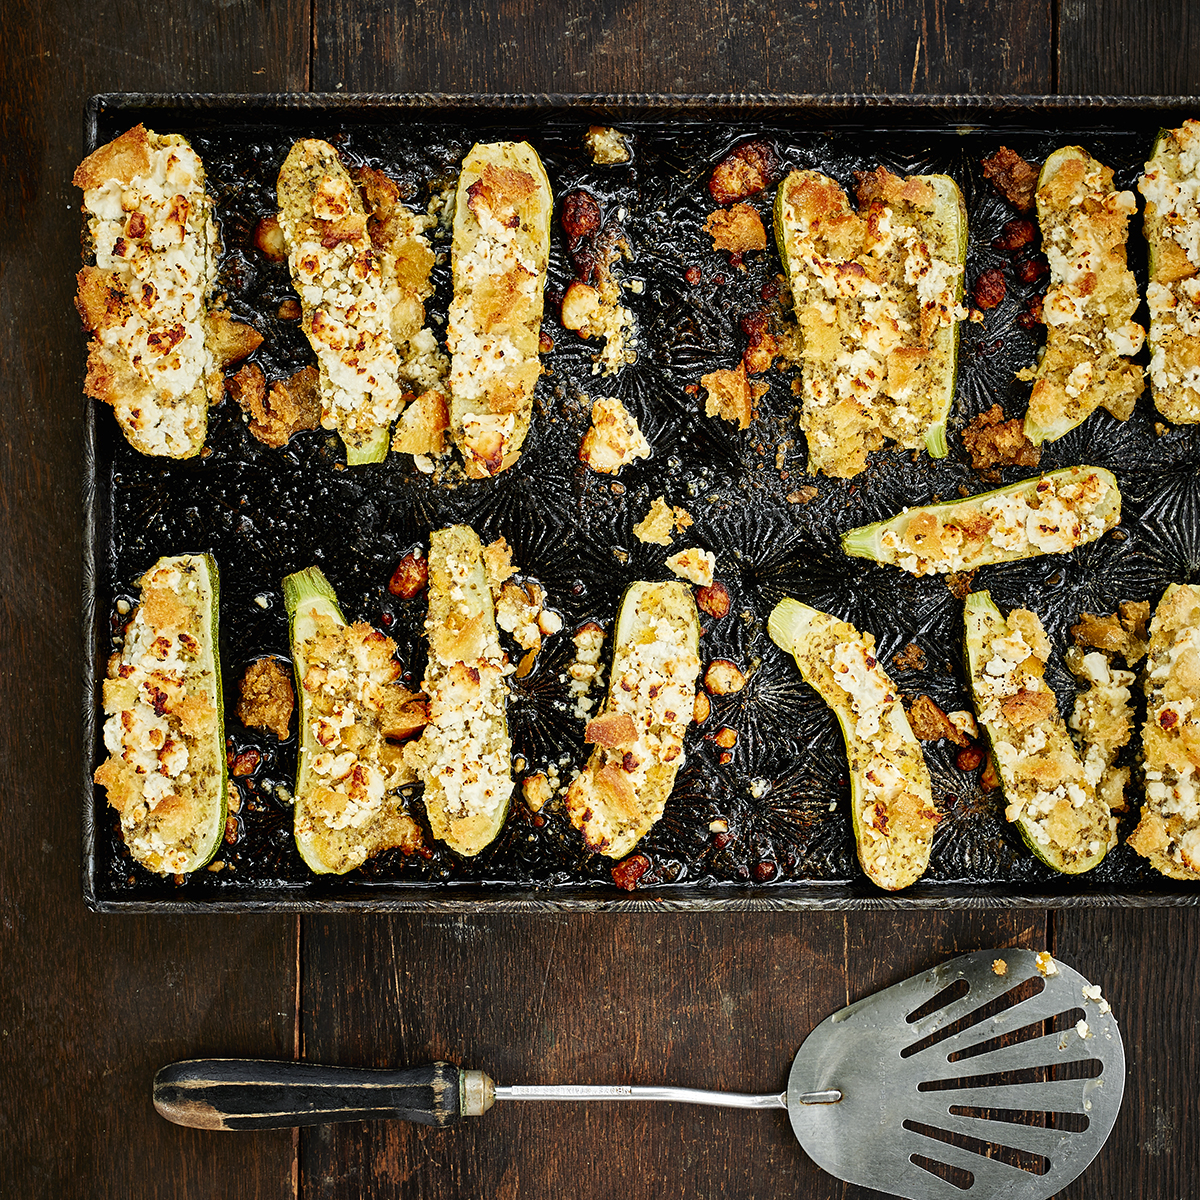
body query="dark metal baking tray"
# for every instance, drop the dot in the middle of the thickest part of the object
(783, 792)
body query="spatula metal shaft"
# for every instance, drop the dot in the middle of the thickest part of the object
(642, 1092)
(617, 1091)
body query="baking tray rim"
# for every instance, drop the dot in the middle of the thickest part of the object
(473, 898)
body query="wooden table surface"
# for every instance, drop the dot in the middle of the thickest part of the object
(91, 1006)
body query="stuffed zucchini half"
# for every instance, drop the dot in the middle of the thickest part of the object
(1047, 792)
(1168, 833)
(639, 731)
(464, 756)
(1090, 334)
(877, 296)
(1051, 514)
(353, 715)
(165, 732)
(1172, 228)
(499, 256)
(891, 798)
(346, 302)
(159, 338)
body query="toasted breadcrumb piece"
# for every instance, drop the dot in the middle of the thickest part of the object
(423, 424)
(498, 564)
(661, 523)
(930, 723)
(911, 658)
(695, 565)
(536, 791)
(267, 698)
(992, 441)
(613, 439)
(728, 395)
(606, 146)
(737, 230)
(289, 406)
(1122, 632)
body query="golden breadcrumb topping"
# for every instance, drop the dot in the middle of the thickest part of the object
(1047, 788)
(146, 298)
(164, 772)
(1088, 308)
(1171, 186)
(1169, 831)
(357, 716)
(871, 289)
(639, 732)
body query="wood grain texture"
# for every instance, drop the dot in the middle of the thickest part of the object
(684, 46)
(90, 1007)
(1148, 964)
(1129, 47)
(710, 1001)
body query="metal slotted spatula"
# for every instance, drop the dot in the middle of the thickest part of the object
(998, 1074)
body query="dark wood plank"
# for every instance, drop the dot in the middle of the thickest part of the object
(683, 46)
(1129, 47)
(1148, 963)
(90, 1007)
(712, 1001)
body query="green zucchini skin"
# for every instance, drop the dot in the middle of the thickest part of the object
(896, 541)
(312, 607)
(176, 838)
(891, 795)
(1076, 830)
(951, 213)
(622, 792)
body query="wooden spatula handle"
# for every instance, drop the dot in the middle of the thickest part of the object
(239, 1093)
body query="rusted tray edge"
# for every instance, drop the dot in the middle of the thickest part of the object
(816, 896)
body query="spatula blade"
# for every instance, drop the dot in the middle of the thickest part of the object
(1006, 1085)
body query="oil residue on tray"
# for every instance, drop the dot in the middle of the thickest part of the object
(771, 809)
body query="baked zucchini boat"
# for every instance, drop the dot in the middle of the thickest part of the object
(499, 255)
(878, 300)
(347, 304)
(165, 731)
(464, 756)
(350, 766)
(157, 346)
(891, 797)
(1048, 794)
(1172, 228)
(1088, 308)
(1168, 833)
(639, 731)
(1050, 514)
